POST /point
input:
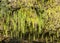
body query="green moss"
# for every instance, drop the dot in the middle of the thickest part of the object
(27, 17)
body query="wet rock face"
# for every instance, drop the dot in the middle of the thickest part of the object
(14, 41)
(10, 40)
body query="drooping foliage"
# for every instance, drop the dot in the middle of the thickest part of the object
(29, 19)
